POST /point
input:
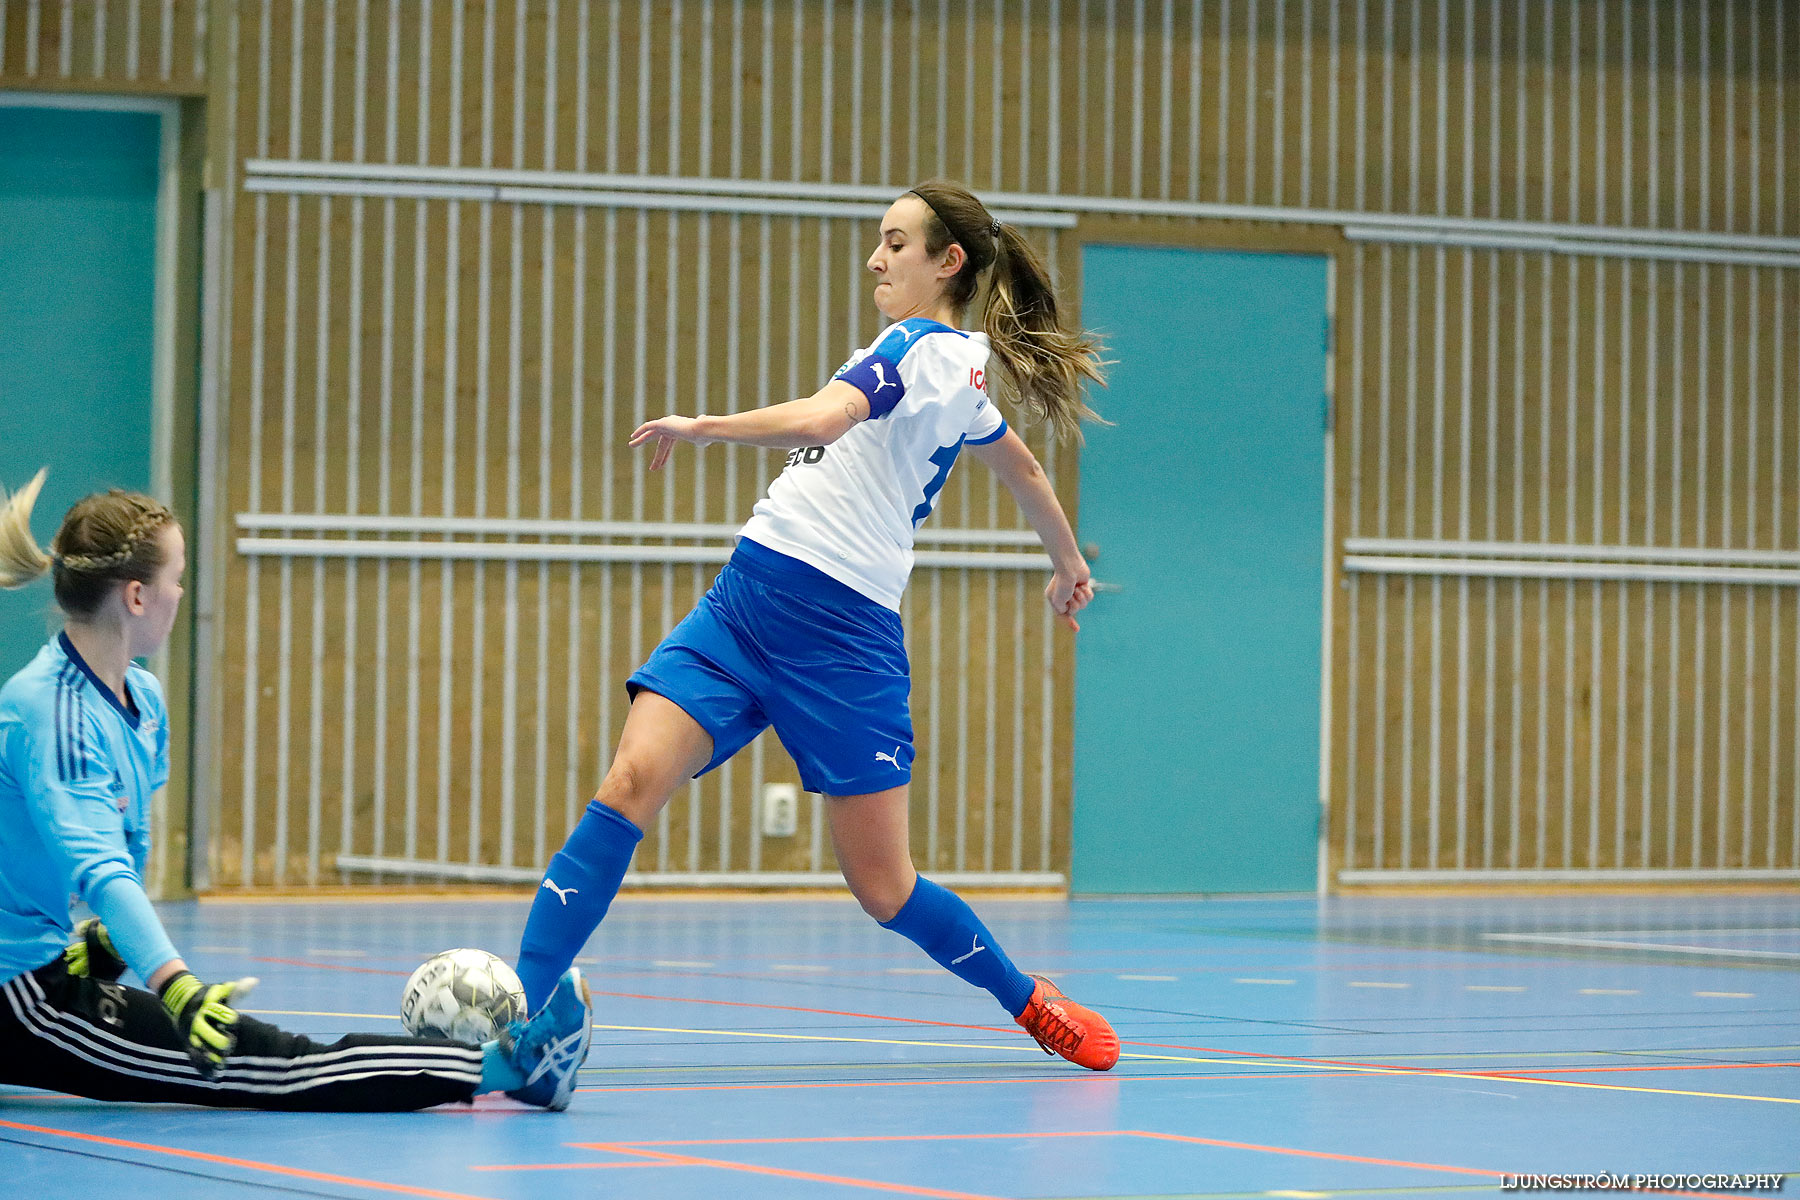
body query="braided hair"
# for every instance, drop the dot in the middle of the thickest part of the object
(105, 539)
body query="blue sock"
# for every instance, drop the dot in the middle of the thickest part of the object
(580, 883)
(947, 929)
(498, 1074)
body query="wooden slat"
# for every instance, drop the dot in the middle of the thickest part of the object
(1623, 345)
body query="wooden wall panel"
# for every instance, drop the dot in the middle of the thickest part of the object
(1543, 399)
(447, 357)
(145, 47)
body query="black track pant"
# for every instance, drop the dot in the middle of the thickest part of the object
(109, 1042)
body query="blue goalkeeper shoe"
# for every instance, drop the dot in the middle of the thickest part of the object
(549, 1048)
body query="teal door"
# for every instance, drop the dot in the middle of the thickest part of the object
(77, 318)
(1197, 666)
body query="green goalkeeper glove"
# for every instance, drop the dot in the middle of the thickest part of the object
(204, 1017)
(91, 954)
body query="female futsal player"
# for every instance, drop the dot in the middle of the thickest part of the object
(801, 630)
(84, 743)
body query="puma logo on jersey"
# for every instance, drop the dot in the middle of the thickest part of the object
(971, 954)
(893, 758)
(562, 894)
(880, 369)
(907, 335)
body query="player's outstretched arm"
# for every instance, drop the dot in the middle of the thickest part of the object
(1071, 584)
(817, 420)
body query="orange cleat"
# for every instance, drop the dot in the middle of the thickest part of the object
(1064, 1027)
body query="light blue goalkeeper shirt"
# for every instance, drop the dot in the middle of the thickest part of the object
(77, 771)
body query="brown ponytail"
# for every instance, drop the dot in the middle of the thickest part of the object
(1041, 363)
(106, 539)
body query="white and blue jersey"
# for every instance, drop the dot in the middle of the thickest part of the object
(77, 773)
(849, 509)
(802, 630)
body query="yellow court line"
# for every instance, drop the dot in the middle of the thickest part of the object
(1613, 1087)
(1584, 1053)
(1224, 1062)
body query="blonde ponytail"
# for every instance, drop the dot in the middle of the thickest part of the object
(21, 561)
(105, 539)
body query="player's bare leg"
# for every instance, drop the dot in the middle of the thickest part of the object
(660, 749)
(869, 833)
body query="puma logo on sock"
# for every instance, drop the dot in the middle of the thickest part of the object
(562, 894)
(971, 954)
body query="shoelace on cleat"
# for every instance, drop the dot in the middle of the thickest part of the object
(1055, 1032)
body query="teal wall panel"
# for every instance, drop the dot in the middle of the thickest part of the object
(78, 194)
(1197, 681)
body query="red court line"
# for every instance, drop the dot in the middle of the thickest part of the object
(247, 1164)
(1066, 1079)
(1177, 1137)
(1325, 1154)
(873, 1137)
(1168, 1137)
(1456, 1072)
(300, 962)
(1143, 1133)
(1363, 1067)
(682, 1160)
(572, 1166)
(644, 1148)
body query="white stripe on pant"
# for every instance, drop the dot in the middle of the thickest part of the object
(54, 1034)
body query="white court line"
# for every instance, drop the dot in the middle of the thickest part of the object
(1149, 978)
(1728, 995)
(675, 962)
(1020, 1046)
(1270, 982)
(1610, 944)
(813, 968)
(1344, 1068)
(1671, 932)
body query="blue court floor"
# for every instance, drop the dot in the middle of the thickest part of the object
(755, 1048)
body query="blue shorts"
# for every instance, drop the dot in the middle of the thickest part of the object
(778, 642)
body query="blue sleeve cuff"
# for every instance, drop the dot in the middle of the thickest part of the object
(992, 437)
(879, 381)
(119, 901)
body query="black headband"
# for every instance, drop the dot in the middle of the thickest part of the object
(993, 228)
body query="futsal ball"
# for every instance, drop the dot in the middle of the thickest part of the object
(467, 995)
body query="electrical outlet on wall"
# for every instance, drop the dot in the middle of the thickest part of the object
(780, 809)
